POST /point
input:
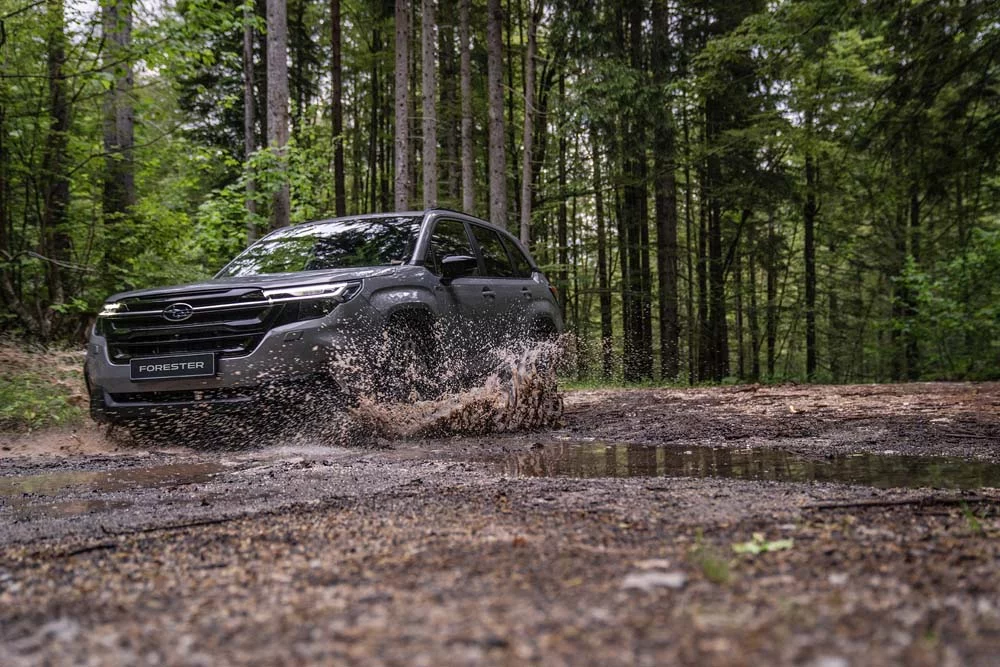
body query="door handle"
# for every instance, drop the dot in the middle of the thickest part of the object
(526, 293)
(488, 293)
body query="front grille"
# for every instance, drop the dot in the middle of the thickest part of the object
(236, 325)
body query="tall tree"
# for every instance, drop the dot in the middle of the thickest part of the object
(337, 110)
(666, 197)
(497, 153)
(250, 117)
(637, 354)
(55, 240)
(465, 74)
(534, 15)
(119, 175)
(277, 106)
(428, 92)
(603, 278)
(403, 185)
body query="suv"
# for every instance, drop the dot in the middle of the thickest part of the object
(394, 293)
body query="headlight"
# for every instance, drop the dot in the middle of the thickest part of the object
(111, 309)
(339, 292)
(308, 302)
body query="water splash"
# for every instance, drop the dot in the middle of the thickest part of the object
(374, 394)
(520, 393)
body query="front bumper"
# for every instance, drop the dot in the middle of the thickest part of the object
(291, 360)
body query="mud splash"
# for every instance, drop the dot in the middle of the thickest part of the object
(591, 460)
(520, 393)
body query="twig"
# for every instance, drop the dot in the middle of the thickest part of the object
(958, 435)
(100, 546)
(180, 526)
(931, 500)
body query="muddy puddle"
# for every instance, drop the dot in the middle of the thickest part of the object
(106, 481)
(590, 460)
(32, 497)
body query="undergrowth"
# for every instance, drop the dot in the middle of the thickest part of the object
(39, 388)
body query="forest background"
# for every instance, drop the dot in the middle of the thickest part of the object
(723, 190)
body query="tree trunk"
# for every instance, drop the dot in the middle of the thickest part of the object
(534, 15)
(428, 37)
(910, 307)
(666, 200)
(375, 173)
(753, 312)
(298, 46)
(704, 330)
(337, 110)
(692, 327)
(510, 124)
(809, 218)
(465, 68)
(449, 109)
(771, 323)
(637, 359)
(603, 283)
(277, 106)
(402, 110)
(497, 154)
(835, 320)
(562, 250)
(249, 121)
(738, 289)
(55, 241)
(119, 166)
(718, 328)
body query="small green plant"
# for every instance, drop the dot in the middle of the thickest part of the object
(972, 521)
(758, 544)
(707, 558)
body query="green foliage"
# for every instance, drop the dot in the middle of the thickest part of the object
(893, 103)
(958, 310)
(30, 401)
(713, 565)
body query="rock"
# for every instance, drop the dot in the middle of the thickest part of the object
(647, 581)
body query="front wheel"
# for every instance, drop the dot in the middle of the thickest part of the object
(408, 371)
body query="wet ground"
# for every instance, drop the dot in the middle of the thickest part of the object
(825, 526)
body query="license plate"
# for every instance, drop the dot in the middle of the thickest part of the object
(178, 366)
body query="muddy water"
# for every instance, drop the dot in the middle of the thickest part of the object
(32, 497)
(108, 480)
(520, 393)
(588, 460)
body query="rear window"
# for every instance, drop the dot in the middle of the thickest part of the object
(338, 244)
(494, 254)
(522, 267)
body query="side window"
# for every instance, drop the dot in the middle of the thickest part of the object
(494, 254)
(522, 267)
(449, 238)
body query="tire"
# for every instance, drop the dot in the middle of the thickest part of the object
(408, 371)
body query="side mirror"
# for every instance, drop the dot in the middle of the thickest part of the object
(456, 266)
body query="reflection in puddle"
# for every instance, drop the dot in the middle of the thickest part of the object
(109, 480)
(884, 471)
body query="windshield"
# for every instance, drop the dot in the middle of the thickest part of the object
(338, 244)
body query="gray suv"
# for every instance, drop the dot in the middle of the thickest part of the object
(391, 293)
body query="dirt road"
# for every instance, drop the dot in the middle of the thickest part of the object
(779, 525)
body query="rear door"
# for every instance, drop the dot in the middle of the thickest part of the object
(510, 279)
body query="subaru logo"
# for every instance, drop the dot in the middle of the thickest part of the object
(177, 312)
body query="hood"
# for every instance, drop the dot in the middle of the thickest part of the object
(269, 281)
